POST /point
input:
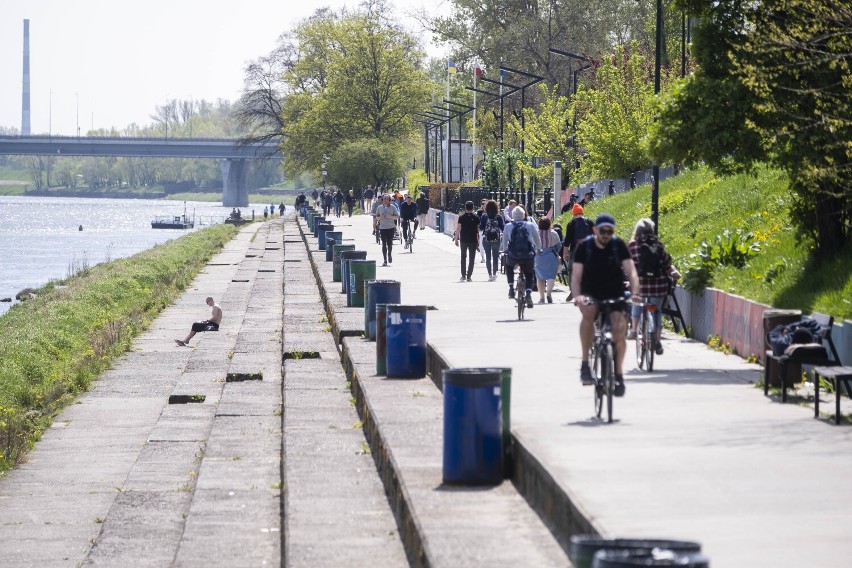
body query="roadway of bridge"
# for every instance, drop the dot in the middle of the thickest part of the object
(222, 148)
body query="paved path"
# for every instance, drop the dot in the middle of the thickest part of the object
(696, 452)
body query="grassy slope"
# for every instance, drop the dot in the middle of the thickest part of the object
(53, 346)
(697, 205)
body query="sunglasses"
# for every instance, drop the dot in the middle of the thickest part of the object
(605, 231)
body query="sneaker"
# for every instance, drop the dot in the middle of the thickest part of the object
(658, 349)
(529, 299)
(468, 279)
(631, 334)
(586, 374)
(541, 300)
(463, 279)
(619, 386)
(511, 293)
(549, 299)
(385, 263)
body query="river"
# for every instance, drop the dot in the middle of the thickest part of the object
(41, 240)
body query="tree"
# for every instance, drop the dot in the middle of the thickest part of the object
(772, 83)
(366, 160)
(615, 115)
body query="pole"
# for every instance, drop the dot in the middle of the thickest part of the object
(502, 74)
(78, 113)
(426, 128)
(449, 132)
(50, 116)
(682, 44)
(655, 186)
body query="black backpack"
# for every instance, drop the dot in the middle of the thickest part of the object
(519, 243)
(492, 230)
(582, 229)
(651, 257)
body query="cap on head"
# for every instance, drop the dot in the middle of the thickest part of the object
(518, 214)
(577, 209)
(605, 220)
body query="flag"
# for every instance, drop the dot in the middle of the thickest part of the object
(478, 71)
(451, 68)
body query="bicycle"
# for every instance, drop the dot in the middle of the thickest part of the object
(645, 334)
(409, 239)
(603, 353)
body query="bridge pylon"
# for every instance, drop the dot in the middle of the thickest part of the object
(234, 188)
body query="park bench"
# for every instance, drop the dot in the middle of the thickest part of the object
(790, 368)
(836, 375)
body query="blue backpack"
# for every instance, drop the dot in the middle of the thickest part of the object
(519, 242)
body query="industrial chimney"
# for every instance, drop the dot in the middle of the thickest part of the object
(25, 103)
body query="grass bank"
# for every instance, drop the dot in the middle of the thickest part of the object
(697, 206)
(53, 346)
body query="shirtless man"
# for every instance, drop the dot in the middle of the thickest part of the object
(211, 324)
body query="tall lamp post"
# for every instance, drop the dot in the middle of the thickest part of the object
(655, 184)
(324, 171)
(78, 113)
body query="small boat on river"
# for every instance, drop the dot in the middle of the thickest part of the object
(174, 221)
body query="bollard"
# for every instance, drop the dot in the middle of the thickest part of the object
(406, 338)
(473, 443)
(583, 548)
(378, 292)
(335, 260)
(322, 234)
(359, 272)
(331, 238)
(345, 257)
(381, 339)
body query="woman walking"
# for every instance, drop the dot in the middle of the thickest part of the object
(547, 262)
(491, 226)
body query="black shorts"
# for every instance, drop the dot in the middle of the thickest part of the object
(205, 326)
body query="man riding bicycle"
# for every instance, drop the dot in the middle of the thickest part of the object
(521, 243)
(408, 213)
(601, 265)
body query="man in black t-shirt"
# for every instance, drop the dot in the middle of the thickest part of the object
(601, 265)
(467, 238)
(408, 214)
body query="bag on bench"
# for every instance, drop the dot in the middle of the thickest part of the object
(801, 332)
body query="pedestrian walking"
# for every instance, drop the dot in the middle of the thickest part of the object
(547, 261)
(467, 239)
(491, 231)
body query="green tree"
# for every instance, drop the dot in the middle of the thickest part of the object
(615, 115)
(351, 76)
(366, 160)
(772, 83)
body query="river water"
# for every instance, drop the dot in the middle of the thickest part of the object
(41, 240)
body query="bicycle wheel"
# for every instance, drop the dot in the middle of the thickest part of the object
(608, 365)
(640, 342)
(520, 295)
(598, 391)
(648, 330)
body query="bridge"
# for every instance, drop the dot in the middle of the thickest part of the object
(232, 154)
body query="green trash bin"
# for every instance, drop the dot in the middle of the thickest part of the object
(359, 272)
(335, 260)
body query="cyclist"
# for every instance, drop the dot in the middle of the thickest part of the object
(654, 266)
(408, 213)
(578, 229)
(601, 266)
(519, 251)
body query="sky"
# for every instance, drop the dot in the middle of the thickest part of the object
(109, 63)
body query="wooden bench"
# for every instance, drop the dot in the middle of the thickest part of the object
(791, 368)
(837, 375)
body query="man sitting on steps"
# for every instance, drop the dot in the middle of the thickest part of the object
(211, 324)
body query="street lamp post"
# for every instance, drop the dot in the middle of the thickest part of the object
(50, 116)
(324, 171)
(655, 183)
(78, 113)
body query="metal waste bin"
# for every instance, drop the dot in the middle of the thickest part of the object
(337, 250)
(324, 229)
(381, 339)
(656, 557)
(506, 415)
(345, 257)
(321, 227)
(473, 437)
(331, 238)
(406, 338)
(583, 548)
(378, 292)
(359, 272)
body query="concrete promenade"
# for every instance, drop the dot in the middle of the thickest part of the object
(696, 452)
(300, 455)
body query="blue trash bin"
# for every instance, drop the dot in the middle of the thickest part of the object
(473, 427)
(331, 238)
(379, 292)
(317, 222)
(406, 338)
(322, 229)
(345, 257)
